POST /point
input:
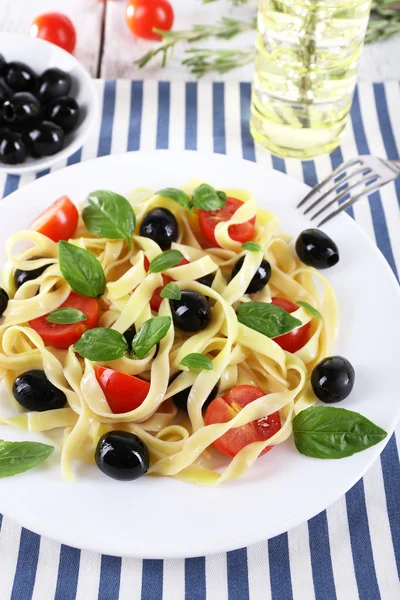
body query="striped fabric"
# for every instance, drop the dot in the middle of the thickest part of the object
(349, 551)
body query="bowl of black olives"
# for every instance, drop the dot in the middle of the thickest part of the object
(48, 104)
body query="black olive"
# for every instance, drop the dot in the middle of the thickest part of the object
(21, 109)
(13, 149)
(3, 64)
(332, 379)
(260, 279)
(129, 334)
(192, 312)
(45, 139)
(21, 276)
(5, 91)
(63, 112)
(316, 249)
(53, 84)
(160, 226)
(207, 279)
(3, 301)
(122, 455)
(34, 391)
(20, 77)
(180, 399)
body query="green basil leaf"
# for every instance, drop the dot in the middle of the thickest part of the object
(166, 260)
(268, 319)
(177, 195)
(150, 333)
(18, 457)
(310, 309)
(171, 291)
(82, 270)
(109, 215)
(252, 247)
(327, 432)
(101, 344)
(197, 361)
(206, 198)
(66, 316)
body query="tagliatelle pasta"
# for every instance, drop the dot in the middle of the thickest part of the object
(180, 443)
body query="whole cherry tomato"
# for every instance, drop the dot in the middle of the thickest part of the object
(56, 28)
(143, 16)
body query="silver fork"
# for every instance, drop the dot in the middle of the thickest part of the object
(359, 177)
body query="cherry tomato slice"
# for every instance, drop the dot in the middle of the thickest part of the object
(296, 339)
(143, 16)
(56, 28)
(123, 392)
(208, 219)
(156, 298)
(59, 221)
(223, 409)
(63, 336)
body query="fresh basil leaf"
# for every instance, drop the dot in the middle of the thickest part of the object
(166, 260)
(66, 316)
(206, 198)
(177, 195)
(171, 291)
(252, 247)
(310, 309)
(82, 270)
(197, 361)
(109, 215)
(101, 344)
(151, 332)
(327, 432)
(268, 319)
(18, 457)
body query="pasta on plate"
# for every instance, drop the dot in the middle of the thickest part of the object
(180, 443)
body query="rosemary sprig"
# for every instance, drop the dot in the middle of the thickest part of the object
(384, 23)
(225, 29)
(201, 61)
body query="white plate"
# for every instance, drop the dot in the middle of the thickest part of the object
(161, 517)
(41, 55)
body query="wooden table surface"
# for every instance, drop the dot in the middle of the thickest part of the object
(107, 48)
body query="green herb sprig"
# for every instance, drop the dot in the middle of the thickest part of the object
(384, 23)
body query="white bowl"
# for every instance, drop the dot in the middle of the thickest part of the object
(41, 55)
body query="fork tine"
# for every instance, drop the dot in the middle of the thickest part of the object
(338, 198)
(333, 189)
(350, 202)
(335, 173)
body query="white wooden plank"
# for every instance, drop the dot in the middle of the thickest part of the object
(86, 15)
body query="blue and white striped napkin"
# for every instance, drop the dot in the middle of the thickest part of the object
(350, 551)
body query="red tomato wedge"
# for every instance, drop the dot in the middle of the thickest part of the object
(156, 298)
(296, 339)
(225, 408)
(123, 392)
(59, 221)
(63, 336)
(208, 219)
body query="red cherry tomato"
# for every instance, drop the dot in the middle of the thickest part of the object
(59, 221)
(56, 28)
(143, 16)
(222, 410)
(208, 219)
(156, 298)
(63, 336)
(123, 392)
(296, 339)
